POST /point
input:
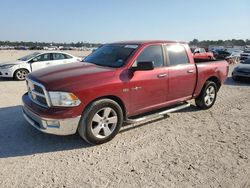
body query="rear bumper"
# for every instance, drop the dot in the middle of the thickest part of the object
(67, 126)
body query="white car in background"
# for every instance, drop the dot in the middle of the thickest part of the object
(38, 60)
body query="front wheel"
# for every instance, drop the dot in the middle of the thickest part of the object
(21, 74)
(208, 95)
(101, 121)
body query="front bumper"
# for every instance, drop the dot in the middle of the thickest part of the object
(51, 126)
(6, 72)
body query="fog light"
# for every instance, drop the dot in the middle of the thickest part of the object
(53, 124)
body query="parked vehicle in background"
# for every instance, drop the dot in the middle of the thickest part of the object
(242, 70)
(200, 53)
(38, 60)
(221, 54)
(118, 83)
(247, 61)
(236, 53)
(245, 55)
(35, 48)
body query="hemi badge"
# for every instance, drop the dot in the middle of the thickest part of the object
(125, 90)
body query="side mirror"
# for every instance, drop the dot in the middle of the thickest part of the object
(143, 66)
(34, 60)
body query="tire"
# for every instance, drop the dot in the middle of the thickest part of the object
(101, 121)
(235, 78)
(208, 95)
(21, 74)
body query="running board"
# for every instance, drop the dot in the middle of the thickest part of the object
(162, 113)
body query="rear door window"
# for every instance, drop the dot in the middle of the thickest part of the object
(59, 56)
(68, 56)
(177, 54)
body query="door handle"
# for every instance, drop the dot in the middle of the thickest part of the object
(162, 75)
(190, 71)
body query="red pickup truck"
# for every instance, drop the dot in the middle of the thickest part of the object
(117, 83)
(201, 53)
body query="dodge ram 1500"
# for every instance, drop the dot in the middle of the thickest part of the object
(117, 83)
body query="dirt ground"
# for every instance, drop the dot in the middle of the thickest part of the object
(191, 148)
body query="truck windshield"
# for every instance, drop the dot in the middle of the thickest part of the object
(111, 55)
(27, 57)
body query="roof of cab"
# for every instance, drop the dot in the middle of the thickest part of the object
(147, 42)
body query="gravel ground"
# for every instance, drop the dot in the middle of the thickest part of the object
(191, 148)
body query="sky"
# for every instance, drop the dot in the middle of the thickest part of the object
(117, 20)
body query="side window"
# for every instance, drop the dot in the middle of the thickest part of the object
(177, 54)
(68, 56)
(43, 57)
(58, 56)
(152, 53)
(203, 50)
(197, 50)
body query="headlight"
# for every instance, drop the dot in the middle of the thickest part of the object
(7, 66)
(64, 99)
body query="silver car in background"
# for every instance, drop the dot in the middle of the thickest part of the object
(242, 70)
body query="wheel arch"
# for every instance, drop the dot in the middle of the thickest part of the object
(216, 80)
(114, 98)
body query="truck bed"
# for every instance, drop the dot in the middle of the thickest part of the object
(216, 69)
(205, 60)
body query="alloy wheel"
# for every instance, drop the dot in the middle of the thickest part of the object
(104, 122)
(210, 95)
(21, 74)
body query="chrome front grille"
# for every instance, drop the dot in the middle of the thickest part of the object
(37, 93)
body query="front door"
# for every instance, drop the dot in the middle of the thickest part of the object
(41, 61)
(148, 89)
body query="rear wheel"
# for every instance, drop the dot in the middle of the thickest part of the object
(21, 74)
(208, 95)
(101, 121)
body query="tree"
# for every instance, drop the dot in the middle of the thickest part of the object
(194, 42)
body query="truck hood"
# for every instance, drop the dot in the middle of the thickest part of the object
(71, 76)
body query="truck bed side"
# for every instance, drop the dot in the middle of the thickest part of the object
(216, 71)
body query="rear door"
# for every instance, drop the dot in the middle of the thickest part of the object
(59, 59)
(148, 89)
(182, 73)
